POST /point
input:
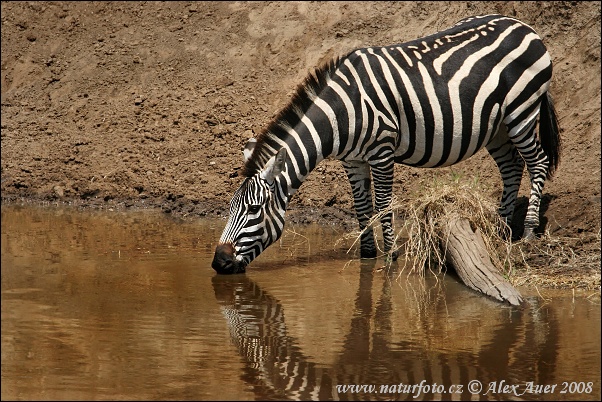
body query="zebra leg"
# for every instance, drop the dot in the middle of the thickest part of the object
(361, 186)
(382, 174)
(529, 148)
(511, 167)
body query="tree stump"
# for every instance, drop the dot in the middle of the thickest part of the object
(465, 250)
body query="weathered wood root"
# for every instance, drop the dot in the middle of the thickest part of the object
(465, 250)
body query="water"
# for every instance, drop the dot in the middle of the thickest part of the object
(125, 305)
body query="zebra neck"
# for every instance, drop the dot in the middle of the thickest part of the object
(304, 153)
(306, 130)
(290, 180)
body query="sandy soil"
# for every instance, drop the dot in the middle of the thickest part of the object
(148, 104)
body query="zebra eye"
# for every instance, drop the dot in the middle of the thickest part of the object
(253, 209)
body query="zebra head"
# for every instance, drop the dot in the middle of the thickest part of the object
(256, 217)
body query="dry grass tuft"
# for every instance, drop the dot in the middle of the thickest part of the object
(548, 261)
(558, 262)
(423, 216)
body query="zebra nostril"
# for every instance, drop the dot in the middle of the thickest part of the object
(223, 266)
(223, 260)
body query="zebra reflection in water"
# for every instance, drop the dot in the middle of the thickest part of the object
(372, 352)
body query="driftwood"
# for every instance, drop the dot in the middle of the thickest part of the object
(465, 250)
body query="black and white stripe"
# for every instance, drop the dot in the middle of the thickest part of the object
(274, 363)
(431, 102)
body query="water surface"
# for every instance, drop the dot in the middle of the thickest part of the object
(125, 305)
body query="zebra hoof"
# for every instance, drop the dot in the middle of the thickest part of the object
(391, 257)
(507, 234)
(528, 234)
(368, 253)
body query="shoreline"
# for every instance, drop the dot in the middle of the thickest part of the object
(549, 262)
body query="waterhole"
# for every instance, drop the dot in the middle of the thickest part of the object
(125, 305)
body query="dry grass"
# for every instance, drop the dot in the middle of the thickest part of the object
(548, 261)
(425, 214)
(558, 262)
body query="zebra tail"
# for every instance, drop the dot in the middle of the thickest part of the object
(549, 134)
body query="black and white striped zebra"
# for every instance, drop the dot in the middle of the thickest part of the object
(431, 102)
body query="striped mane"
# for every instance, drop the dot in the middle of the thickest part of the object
(290, 115)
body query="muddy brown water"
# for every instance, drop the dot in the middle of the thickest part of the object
(124, 305)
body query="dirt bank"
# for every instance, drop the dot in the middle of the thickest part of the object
(148, 104)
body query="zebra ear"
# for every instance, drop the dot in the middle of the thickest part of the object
(275, 166)
(248, 150)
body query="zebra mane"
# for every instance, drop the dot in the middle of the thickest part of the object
(290, 115)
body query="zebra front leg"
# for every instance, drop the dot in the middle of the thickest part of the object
(361, 187)
(382, 174)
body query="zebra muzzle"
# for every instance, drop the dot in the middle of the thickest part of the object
(224, 260)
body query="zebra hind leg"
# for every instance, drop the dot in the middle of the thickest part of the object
(361, 187)
(511, 167)
(537, 163)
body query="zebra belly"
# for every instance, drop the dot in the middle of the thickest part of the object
(412, 153)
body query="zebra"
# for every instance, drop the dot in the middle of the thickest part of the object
(431, 102)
